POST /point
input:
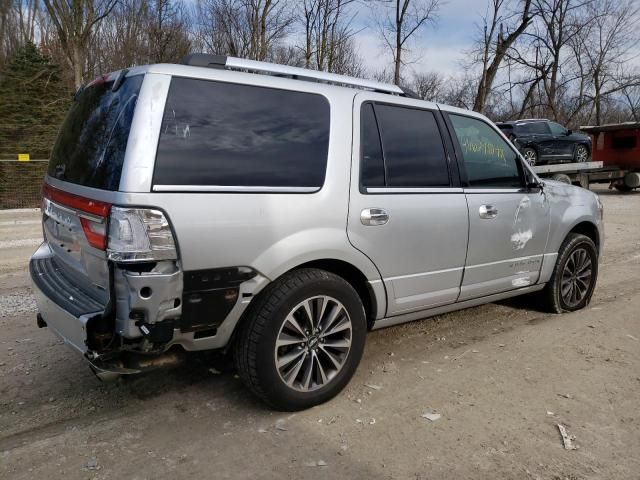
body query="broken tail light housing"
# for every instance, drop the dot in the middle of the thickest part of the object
(140, 234)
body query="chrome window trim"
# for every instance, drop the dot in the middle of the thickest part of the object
(494, 190)
(414, 190)
(242, 189)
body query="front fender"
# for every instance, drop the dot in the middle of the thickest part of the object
(570, 206)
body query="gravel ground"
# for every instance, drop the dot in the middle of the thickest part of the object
(473, 394)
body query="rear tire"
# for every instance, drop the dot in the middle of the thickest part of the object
(531, 156)
(621, 187)
(293, 363)
(574, 276)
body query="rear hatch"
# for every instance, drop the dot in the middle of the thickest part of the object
(89, 152)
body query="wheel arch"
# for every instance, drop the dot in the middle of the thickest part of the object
(352, 275)
(588, 229)
(584, 144)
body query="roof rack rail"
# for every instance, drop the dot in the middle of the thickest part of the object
(233, 63)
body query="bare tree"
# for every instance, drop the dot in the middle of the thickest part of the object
(328, 37)
(121, 37)
(75, 22)
(19, 22)
(459, 91)
(244, 28)
(560, 22)
(400, 21)
(608, 49)
(429, 86)
(167, 31)
(495, 43)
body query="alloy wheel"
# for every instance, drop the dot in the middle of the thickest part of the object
(581, 153)
(313, 343)
(576, 278)
(530, 156)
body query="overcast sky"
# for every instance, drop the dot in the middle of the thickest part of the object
(438, 48)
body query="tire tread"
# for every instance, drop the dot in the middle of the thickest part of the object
(258, 317)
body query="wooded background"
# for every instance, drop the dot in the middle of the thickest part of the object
(573, 61)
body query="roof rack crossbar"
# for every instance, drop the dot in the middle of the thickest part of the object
(233, 63)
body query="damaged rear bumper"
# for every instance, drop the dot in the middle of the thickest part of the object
(65, 308)
(149, 321)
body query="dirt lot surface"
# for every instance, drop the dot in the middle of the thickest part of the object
(501, 376)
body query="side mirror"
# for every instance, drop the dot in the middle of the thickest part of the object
(569, 132)
(535, 186)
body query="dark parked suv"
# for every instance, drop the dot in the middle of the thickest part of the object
(544, 141)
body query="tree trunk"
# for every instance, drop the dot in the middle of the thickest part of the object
(502, 47)
(398, 62)
(78, 65)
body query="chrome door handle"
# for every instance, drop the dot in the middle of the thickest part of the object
(488, 212)
(374, 216)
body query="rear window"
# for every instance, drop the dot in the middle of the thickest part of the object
(230, 135)
(93, 139)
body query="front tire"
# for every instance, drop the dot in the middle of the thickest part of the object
(302, 339)
(581, 154)
(574, 276)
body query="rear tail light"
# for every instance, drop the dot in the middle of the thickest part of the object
(140, 234)
(93, 213)
(127, 234)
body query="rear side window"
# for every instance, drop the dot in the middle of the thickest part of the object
(228, 135)
(488, 160)
(372, 162)
(413, 152)
(533, 128)
(93, 139)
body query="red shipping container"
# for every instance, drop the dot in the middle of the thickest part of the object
(616, 144)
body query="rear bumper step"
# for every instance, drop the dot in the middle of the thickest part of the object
(62, 306)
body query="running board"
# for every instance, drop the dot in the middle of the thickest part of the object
(474, 302)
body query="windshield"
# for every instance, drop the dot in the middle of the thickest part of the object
(92, 141)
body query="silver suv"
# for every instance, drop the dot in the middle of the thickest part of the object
(279, 214)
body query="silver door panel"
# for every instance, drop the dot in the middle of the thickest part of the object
(420, 251)
(505, 251)
(504, 275)
(414, 292)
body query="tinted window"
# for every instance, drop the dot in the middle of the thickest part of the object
(533, 128)
(225, 134)
(372, 164)
(413, 152)
(488, 159)
(557, 129)
(92, 141)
